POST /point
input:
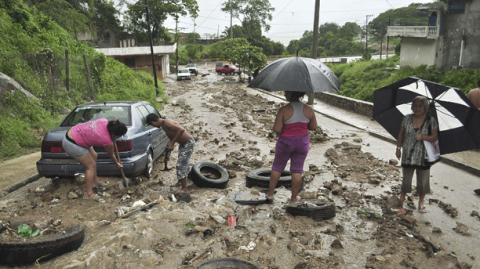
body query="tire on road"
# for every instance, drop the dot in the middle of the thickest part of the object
(322, 211)
(220, 180)
(261, 178)
(27, 252)
(226, 263)
(148, 172)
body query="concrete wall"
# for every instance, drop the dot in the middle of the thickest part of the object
(465, 25)
(417, 51)
(354, 105)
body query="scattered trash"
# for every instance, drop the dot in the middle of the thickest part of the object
(375, 214)
(54, 200)
(138, 204)
(232, 221)
(173, 198)
(105, 222)
(125, 198)
(251, 246)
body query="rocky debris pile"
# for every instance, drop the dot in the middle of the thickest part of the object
(244, 160)
(448, 208)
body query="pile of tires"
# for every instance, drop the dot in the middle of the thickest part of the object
(261, 178)
(197, 175)
(230, 263)
(42, 247)
(314, 210)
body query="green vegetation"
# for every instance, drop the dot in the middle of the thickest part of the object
(235, 51)
(360, 79)
(26, 231)
(31, 48)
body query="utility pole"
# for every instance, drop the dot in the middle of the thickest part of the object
(176, 39)
(151, 48)
(315, 41)
(231, 29)
(366, 34)
(195, 36)
(218, 31)
(387, 37)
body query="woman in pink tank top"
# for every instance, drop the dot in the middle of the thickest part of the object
(291, 124)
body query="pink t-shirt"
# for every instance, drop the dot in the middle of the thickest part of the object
(92, 133)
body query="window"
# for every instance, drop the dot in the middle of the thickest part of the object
(88, 113)
(143, 113)
(130, 62)
(151, 109)
(456, 7)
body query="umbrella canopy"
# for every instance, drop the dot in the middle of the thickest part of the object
(296, 74)
(458, 119)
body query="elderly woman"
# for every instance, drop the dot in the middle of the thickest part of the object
(79, 141)
(291, 124)
(415, 128)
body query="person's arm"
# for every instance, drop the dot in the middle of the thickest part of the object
(401, 136)
(179, 130)
(109, 150)
(278, 125)
(430, 138)
(312, 125)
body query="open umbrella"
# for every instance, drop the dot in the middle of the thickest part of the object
(458, 119)
(296, 74)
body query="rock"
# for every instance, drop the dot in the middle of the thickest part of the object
(393, 162)
(72, 195)
(436, 230)
(462, 229)
(218, 219)
(9, 84)
(159, 99)
(374, 181)
(232, 174)
(57, 222)
(379, 258)
(377, 251)
(336, 244)
(185, 197)
(298, 250)
(42, 223)
(272, 241)
(474, 213)
(394, 202)
(309, 195)
(303, 240)
(293, 245)
(358, 140)
(337, 190)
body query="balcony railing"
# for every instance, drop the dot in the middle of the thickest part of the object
(413, 31)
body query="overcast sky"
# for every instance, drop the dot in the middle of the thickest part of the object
(291, 18)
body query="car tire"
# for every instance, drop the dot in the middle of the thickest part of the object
(48, 247)
(261, 178)
(226, 263)
(219, 73)
(322, 211)
(196, 73)
(232, 73)
(148, 172)
(201, 181)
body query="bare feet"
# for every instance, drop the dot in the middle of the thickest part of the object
(295, 199)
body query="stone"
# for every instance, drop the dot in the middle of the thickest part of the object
(309, 195)
(218, 219)
(232, 174)
(436, 230)
(184, 197)
(462, 229)
(272, 241)
(336, 244)
(159, 99)
(394, 202)
(57, 222)
(358, 140)
(72, 195)
(393, 162)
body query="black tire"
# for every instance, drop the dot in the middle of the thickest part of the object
(148, 172)
(219, 73)
(261, 178)
(23, 253)
(196, 73)
(232, 73)
(200, 180)
(231, 263)
(233, 197)
(322, 211)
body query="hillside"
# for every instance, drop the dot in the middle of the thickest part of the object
(32, 52)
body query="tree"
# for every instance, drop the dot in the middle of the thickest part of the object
(306, 41)
(350, 30)
(292, 46)
(237, 32)
(223, 49)
(136, 20)
(278, 48)
(234, 50)
(250, 13)
(191, 37)
(329, 27)
(194, 50)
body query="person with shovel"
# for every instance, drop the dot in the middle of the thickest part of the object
(79, 141)
(291, 124)
(177, 134)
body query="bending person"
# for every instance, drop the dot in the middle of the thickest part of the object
(177, 134)
(79, 141)
(291, 124)
(415, 128)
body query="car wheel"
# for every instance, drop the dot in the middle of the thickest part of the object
(219, 73)
(45, 247)
(261, 178)
(209, 175)
(232, 73)
(196, 73)
(148, 173)
(314, 210)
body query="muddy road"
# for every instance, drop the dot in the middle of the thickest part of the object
(232, 127)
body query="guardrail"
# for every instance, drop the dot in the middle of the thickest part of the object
(413, 31)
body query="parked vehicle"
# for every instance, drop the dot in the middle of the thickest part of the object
(227, 69)
(138, 148)
(183, 74)
(192, 68)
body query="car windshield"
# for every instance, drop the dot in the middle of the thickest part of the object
(183, 71)
(88, 113)
(191, 65)
(232, 66)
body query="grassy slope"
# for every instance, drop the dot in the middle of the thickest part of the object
(361, 79)
(28, 37)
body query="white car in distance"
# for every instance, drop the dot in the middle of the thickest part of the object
(183, 74)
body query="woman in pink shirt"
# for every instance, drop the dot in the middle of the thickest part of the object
(291, 124)
(79, 141)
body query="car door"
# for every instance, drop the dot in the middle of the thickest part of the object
(148, 131)
(159, 137)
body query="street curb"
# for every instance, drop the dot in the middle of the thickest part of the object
(446, 160)
(18, 185)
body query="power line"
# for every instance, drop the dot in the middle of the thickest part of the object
(389, 3)
(210, 13)
(282, 9)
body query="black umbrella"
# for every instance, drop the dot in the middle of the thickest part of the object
(458, 119)
(296, 74)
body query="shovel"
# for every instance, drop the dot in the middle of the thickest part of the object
(166, 159)
(126, 181)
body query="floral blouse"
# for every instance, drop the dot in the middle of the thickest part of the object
(414, 151)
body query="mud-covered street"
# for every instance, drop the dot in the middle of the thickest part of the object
(232, 127)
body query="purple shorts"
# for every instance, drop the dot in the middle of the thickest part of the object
(294, 148)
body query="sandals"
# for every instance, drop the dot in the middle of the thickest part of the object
(269, 201)
(422, 210)
(101, 185)
(95, 197)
